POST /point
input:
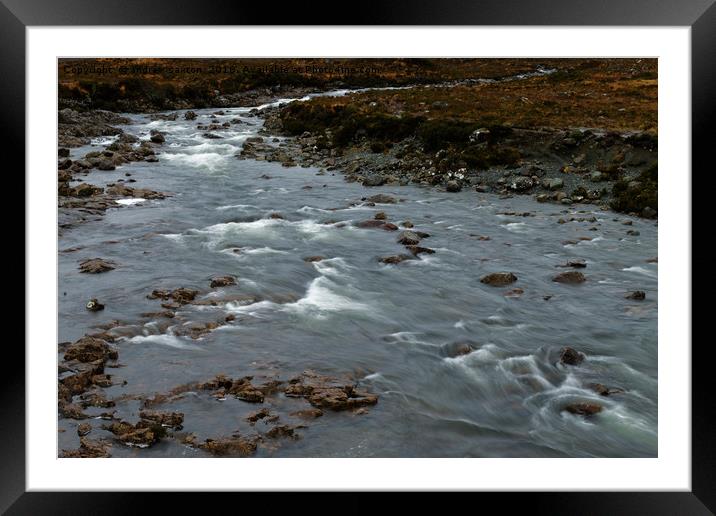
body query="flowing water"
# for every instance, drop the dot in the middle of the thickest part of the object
(390, 327)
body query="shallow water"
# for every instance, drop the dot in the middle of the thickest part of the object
(388, 326)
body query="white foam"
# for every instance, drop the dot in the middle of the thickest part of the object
(164, 339)
(129, 201)
(517, 227)
(641, 270)
(242, 207)
(208, 160)
(321, 298)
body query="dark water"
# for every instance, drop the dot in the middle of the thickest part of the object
(388, 326)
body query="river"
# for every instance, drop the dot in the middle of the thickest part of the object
(391, 327)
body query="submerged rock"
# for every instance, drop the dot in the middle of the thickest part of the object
(571, 356)
(569, 277)
(222, 281)
(583, 409)
(381, 199)
(637, 295)
(498, 279)
(96, 266)
(603, 390)
(312, 259)
(395, 259)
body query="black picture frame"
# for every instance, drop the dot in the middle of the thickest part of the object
(700, 15)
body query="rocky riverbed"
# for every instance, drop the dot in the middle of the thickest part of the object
(228, 290)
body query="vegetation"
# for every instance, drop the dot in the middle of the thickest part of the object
(636, 195)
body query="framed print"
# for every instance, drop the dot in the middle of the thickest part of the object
(420, 252)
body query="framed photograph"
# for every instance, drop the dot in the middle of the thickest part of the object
(420, 252)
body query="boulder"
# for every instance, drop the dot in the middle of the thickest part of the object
(571, 356)
(373, 180)
(408, 238)
(157, 136)
(453, 186)
(189, 115)
(498, 279)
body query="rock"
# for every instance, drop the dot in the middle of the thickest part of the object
(276, 215)
(222, 281)
(142, 434)
(571, 356)
(282, 431)
(515, 292)
(603, 390)
(583, 409)
(264, 415)
(453, 186)
(85, 190)
(88, 449)
(498, 279)
(84, 429)
(416, 250)
(63, 152)
(554, 183)
(456, 349)
(542, 197)
(577, 264)
(408, 238)
(310, 413)
(566, 200)
(241, 388)
(637, 295)
(230, 446)
(167, 419)
(64, 164)
(569, 277)
(90, 349)
(96, 266)
(381, 199)
(325, 392)
(156, 136)
(189, 115)
(311, 259)
(106, 164)
(380, 216)
(180, 295)
(648, 212)
(407, 224)
(395, 259)
(373, 180)
(633, 232)
(596, 176)
(376, 224)
(522, 184)
(94, 306)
